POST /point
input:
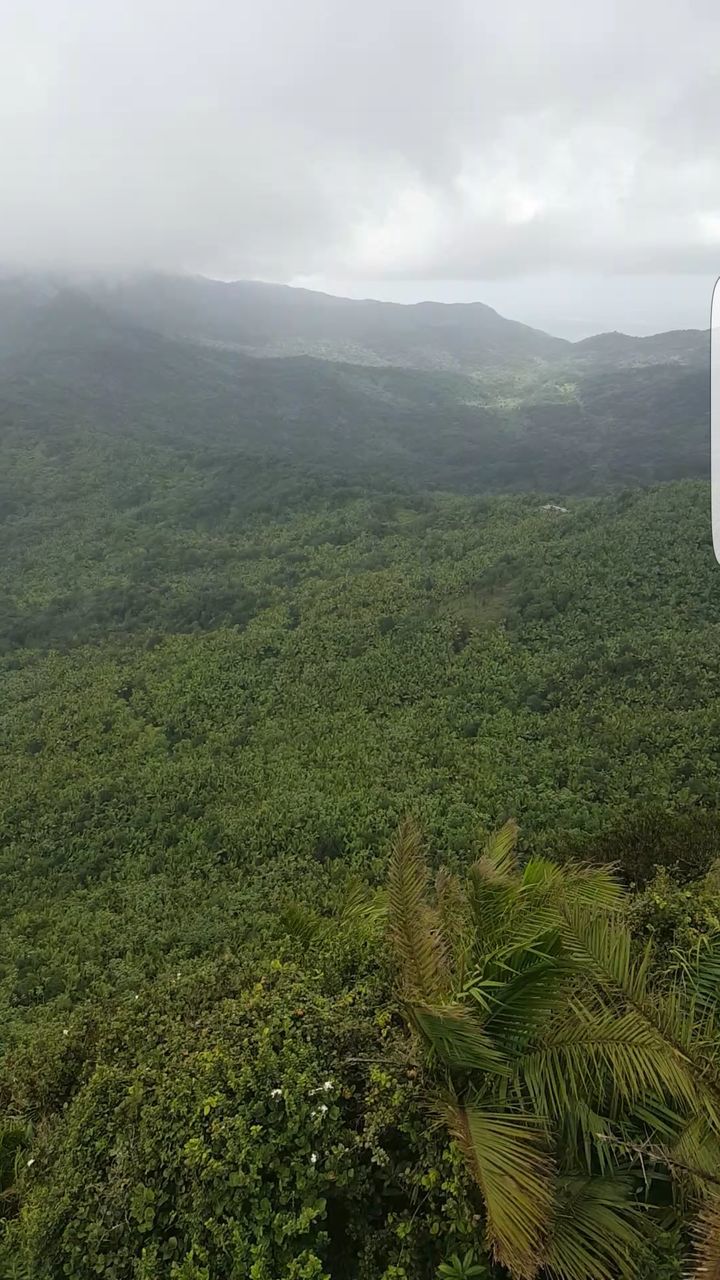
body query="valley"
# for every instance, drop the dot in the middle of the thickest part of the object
(278, 571)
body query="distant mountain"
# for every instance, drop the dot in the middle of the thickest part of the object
(270, 320)
(142, 366)
(679, 346)
(276, 320)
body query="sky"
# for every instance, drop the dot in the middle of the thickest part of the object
(557, 160)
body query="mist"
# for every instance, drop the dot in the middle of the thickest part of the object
(450, 151)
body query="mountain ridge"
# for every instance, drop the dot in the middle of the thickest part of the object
(270, 320)
(565, 424)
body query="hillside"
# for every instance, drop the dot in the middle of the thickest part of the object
(253, 611)
(265, 319)
(276, 320)
(69, 365)
(469, 656)
(680, 346)
(207, 736)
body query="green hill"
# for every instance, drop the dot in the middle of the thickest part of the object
(253, 611)
(72, 371)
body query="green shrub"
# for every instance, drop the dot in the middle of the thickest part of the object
(228, 1130)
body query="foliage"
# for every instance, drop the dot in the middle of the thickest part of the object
(465, 1268)
(242, 632)
(558, 1048)
(681, 918)
(247, 1128)
(503, 408)
(684, 843)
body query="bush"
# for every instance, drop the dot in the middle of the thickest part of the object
(686, 844)
(273, 1131)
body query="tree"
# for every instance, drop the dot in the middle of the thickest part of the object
(555, 1047)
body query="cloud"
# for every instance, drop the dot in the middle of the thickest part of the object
(390, 140)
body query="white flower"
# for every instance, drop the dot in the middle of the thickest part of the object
(65, 1031)
(322, 1109)
(31, 1162)
(313, 1158)
(323, 1088)
(276, 1093)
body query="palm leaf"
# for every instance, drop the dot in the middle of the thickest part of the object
(589, 1139)
(603, 946)
(595, 887)
(591, 1049)
(498, 859)
(507, 1156)
(707, 1242)
(621, 1064)
(690, 1152)
(696, 1150)
(597, 1232)
(700, 972)
(301, 923)
(494, 909)
(414, 928)
(517, 1007)
(458, 1039)
(456, 922)
(362, 908)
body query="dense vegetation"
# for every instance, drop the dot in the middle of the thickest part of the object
(90, 389)
(227, 675)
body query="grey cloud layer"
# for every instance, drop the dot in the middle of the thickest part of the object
(451, 140)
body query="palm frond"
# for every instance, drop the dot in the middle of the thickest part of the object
(603, 945)
(700, 972)
(598, 1232)
(361, 907)
(691, 1153)
(517, 1007)
(589, 1140)
(591, 1048)
(493, 904)
(301, 923)
(456, 923)
(706, 1262)
(497, 859)
(458, 1039)
(696, 1150)
(595, 887)
(507, 1156)
(414, 927)
(560, 1026)
(493, 880)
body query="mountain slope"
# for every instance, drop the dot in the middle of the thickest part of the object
(277, 320)
(237, 641)
(83, 381)
(681, 346)
(267, 319)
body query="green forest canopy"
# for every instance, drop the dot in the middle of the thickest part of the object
(213, 727)
(227, 675)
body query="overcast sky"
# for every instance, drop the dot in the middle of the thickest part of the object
(557, 160)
